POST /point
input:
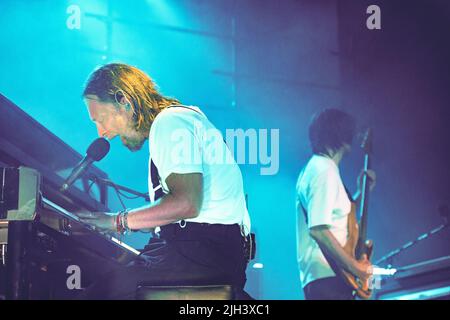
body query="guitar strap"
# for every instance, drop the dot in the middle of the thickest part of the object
(156, 190)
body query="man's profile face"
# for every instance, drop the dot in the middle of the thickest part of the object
(113, 120)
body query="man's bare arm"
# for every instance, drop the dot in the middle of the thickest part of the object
(182, 202)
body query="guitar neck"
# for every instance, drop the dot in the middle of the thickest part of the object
(364, 204)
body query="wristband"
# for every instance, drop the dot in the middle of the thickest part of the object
(122, 222)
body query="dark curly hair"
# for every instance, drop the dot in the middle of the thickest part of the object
(330, 129)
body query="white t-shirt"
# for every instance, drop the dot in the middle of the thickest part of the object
(182, 140)
(322, 194)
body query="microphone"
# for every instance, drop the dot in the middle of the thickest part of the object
(96, 152)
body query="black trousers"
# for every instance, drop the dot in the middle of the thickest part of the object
(332, 288)
(198, 254)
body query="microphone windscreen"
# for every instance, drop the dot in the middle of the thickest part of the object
(98, 149)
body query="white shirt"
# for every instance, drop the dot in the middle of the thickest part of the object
(182, 140)
(321, 192)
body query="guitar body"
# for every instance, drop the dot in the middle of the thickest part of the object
(362, 289)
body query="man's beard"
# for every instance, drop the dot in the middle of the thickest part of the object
(132, 144)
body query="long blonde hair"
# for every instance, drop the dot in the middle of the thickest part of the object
(115, 81)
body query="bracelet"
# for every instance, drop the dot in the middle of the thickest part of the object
(125, 220)
(122, 222)
(117, 225)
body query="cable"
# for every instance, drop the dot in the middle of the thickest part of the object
(119, 196)
(90, 186)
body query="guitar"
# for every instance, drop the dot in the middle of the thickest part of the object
(357, 244)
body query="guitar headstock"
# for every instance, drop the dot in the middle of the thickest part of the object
(366, 143)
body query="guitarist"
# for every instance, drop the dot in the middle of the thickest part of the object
(323, 206)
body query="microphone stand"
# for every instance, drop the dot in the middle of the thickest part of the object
(444, 210)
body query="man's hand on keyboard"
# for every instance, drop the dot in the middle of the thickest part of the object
(100, 221)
